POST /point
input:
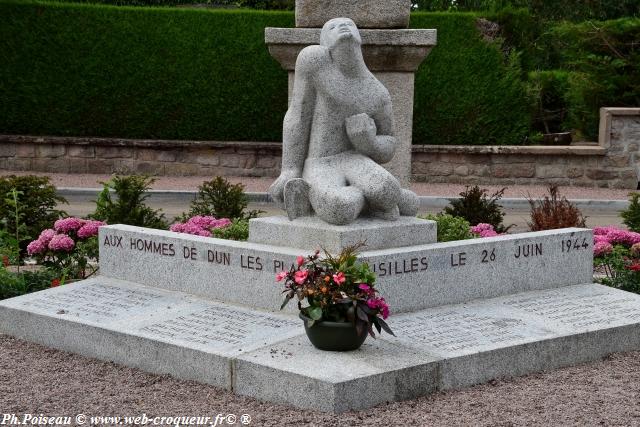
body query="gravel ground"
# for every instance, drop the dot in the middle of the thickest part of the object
(262, 184)
(35, 379)
(39, 380)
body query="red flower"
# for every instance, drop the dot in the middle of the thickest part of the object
(634, 267)
(55, 282)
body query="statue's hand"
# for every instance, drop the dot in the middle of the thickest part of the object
(361, 130)
(276, 191)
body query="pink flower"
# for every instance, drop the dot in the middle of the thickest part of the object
(300, 260)
(600, 238)
(47, 235)
(301, 276)
(190, 228)
(602, 248)
(280, 276)
(68, 224)
(603, 231)
(484, 230)
(61, 242)
(364, 287)
(90, 229)
(36, 247)
(379, 304)
(339, 278)
(200, 225)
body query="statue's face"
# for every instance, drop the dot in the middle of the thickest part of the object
(338, 30)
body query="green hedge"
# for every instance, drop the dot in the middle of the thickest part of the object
(604, 58)
(96, 70)
(466, 91)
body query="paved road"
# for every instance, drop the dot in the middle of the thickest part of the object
(519, 217)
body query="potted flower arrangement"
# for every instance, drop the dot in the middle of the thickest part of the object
(337, 299)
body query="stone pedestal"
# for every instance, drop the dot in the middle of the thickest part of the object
(312, 233)
(365, 13)
(392, 55)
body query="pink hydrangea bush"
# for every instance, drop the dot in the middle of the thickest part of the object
(68, 246)
(484, 230)
(200, 225)
(617, 257)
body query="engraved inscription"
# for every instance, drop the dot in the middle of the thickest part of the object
(599, 308)
(391, 268)
(218, 325)
(570, 245)
(528, 250)
(453, 330)
(488, 256)
(96, 300)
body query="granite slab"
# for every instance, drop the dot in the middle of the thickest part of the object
(266, 355)
(410, 278)
(311, 233)
(152, 329)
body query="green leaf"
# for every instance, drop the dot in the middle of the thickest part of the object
(315, 313)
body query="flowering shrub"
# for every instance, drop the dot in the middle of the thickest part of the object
(617, 256)
(450, 228)
(200, 225)
(484, 230)
(67, 247)
(336, 289)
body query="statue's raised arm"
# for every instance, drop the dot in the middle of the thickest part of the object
(336, 133)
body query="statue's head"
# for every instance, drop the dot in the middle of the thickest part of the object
(338, 30)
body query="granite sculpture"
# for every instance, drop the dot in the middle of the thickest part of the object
(336, 134)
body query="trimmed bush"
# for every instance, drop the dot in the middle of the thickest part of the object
(168, 73)
(467, 92)
(96, 70)
(572, 10)
(605, 58)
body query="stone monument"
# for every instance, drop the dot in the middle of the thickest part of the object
(338, 130)
(207, 309)
(391, 51)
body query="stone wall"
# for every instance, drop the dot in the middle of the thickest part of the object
(613, 162)
(107, 155)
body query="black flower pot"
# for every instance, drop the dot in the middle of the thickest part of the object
(333, 336)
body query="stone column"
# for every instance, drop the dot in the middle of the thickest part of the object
(391, 51)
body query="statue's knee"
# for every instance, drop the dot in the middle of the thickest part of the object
(384, 192)
(339, 206)
(409, 203)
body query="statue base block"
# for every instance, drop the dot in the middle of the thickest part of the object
(312, 233)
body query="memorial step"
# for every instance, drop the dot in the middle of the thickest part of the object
(266, 355)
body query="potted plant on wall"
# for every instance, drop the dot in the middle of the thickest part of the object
(337, 299)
